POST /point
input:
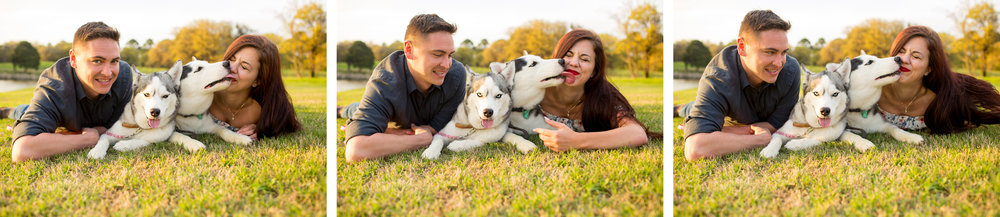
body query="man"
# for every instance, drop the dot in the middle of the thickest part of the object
(77, 99)
(754, 84)
(418, 88)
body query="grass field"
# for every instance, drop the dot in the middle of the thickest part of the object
(498, 180)
(949, 175)
(279, 176)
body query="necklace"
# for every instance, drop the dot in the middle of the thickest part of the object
(914, 98)
(233, 117)
(568, 111)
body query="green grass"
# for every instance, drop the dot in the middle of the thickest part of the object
(949, 175)
(279, 176)
(496, 179)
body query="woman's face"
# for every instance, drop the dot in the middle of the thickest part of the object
(246, 65)
(916, 59)
(579, 63)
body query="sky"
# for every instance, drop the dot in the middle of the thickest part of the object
(382, 21)
(51, 21)
(809, 19)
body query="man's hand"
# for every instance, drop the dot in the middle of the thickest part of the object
(426, 133)
(92, 134)
(398, 131)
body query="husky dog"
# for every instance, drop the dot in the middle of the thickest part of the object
(482, 117)
(529, 76)
(817, 118)
(867, 75)
(199, 81)
(148, 117)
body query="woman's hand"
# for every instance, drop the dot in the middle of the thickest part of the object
(559, 140)
(249, 130)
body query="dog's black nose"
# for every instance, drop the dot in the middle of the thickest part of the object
(562, 62)
(825, 111)
(898, 60)
(226, 64)
(488, 113)
(155, 112)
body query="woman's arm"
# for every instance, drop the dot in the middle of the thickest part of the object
(628, 134)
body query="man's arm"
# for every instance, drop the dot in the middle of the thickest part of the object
(730, 139)
(378, 145)
(33, 147)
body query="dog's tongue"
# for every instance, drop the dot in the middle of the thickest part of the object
(154, 123)
(903, 69)
(824, 122)
(570, 77)
(487, 123)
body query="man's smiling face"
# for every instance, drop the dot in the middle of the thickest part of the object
(96, 64)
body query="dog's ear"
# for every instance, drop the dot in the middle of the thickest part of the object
(194, 58)
(863, 52)
(497, 67)
(525, 52)
(176, 71)
(843, 69)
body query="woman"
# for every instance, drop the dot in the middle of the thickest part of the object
(257, 91)
(929, 95)
(586, 110)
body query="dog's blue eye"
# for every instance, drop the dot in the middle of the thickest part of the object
(835, 94)
(533, 64)
(165, 96)
(146, 94)
(499, 95)
(479, 94)
(815, 93)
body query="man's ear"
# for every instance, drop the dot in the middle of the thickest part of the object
(408, 49)
(72, 58)
(741, 46)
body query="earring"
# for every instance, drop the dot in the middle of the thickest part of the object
(254, 84)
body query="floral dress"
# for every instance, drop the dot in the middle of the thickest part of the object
(903, 121)
(576, 125)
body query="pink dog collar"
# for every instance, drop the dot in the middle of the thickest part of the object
(448, 136)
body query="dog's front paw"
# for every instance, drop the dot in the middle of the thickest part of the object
(800, 144)
(463, 145)
(525, 148)
(194, 145)
(910, 137)
(97, 154)
(770, 151)
(863, 145)
(431, 154)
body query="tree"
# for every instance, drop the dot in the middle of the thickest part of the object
(804, 52)
(494, 53)
(359, 55)
(979, 33)
(466, 52)
(7, 51)
(610, 42)
(25, 56)
(159, 55)
(642, 46)
(832, 52)
(307, 46)
(696, 54)
(874, 36)
(202, 39)
(537, 37)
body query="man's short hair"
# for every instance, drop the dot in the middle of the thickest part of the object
(757, 21)
(94, 30)
(424, 24)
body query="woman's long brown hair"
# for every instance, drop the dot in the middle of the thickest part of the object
(962, 101)
(277, 115)
(604, 106)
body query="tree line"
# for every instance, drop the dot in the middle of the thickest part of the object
(975, 49)
(640, 52)
(304, 51)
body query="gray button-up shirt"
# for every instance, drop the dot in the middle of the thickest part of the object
(59, 101)
(392, 95)
(724, 91)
